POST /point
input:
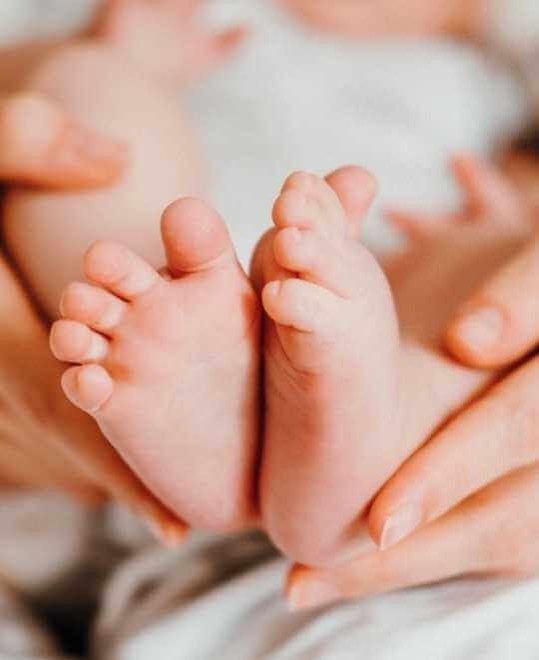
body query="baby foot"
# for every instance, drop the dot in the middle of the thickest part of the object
(163, 38)
(169, 365)
(331, 370)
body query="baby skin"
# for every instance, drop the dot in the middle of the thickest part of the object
(169, 359)
(347, 399)
(167, 356)
(381, 18)
(169, 364)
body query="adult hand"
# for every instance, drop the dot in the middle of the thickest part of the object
(44, 441)
(378, 18)
(41, 146)
(465, 503)
(500, 323)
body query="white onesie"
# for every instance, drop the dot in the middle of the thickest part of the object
(514, 31)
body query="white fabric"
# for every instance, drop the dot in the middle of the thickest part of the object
(514, 24)
(514, 29)
(246, 619)
(292, 100)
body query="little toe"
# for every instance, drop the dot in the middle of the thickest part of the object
(303, 181)
(92, 306)
(301, 305)
(294, 208)
(314, 201)
(88, 387)
(119, 270)
(195, 237)
(308, 253)
(74, 342)
(315, 187)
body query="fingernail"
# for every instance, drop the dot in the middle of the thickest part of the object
(295, 233)
(274, 288)
(307, 594)
(481, 329)
(400, 525)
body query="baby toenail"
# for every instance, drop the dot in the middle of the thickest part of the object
(275, 288)
(297, 201)
(295, 234)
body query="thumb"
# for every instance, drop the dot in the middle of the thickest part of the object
(41, 146)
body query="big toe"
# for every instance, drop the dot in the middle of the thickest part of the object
(195, 237)
(356, 189)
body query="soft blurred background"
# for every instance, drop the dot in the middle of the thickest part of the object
(292, 99)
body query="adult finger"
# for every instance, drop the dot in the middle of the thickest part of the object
(494, 437)
(488, 195)
(41, 146)
(496, 532)
(500, 322)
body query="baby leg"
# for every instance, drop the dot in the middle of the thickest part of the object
(112, 80)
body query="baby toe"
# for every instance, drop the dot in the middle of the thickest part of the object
(301, 305)
(88, 387)
(92, 306)
(119, 270)
(313, 198)
(74, 342)
(309, 254)
(315, 187)
(294, 208)
(195, 237)
(355, 189)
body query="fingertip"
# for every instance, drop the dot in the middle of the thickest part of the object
(474, 337)
(44, 147)
(308, 589)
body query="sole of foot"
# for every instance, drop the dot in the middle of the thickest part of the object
(330, 349)
(168, 365)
